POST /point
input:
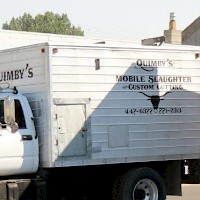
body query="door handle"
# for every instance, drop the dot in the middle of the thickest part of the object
(83, 131)
(27, 137)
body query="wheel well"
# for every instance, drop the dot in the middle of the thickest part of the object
(91, 178)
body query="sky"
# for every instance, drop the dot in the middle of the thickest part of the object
(112, 19)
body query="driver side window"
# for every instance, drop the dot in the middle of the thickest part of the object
(19, 114)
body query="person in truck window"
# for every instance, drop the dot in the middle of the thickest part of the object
(19, 114)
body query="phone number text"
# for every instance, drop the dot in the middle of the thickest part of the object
(149, 111)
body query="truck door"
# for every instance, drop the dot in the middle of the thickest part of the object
(16, 149)
(71, 120)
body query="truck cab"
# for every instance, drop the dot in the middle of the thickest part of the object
(19, 152)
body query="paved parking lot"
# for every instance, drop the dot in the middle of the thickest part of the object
(190, 192)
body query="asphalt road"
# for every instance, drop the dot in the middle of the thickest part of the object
(189, 191)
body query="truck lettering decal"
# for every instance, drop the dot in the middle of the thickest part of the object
(151, 111)
(149, 65)
(153, 79)
(151, 82)
(126, 78)
(155, 99)
(16, 74)
(30, 72)
(139, 87)
(169, 79)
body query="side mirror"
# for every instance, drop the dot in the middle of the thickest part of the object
(9, 114)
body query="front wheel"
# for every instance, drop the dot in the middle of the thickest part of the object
(139, 184)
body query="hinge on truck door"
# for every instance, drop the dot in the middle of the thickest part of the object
(56, 116)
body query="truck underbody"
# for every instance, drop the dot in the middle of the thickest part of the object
(89, 182)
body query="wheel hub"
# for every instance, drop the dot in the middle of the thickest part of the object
(145, 189)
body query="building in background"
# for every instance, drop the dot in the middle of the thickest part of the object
(189, 36)
(172, 35)
(12, 39)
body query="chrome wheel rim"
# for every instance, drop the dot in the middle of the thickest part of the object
(145, 189)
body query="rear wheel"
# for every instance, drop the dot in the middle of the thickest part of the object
(139, 184)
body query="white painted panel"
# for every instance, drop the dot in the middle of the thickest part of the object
(71, 125)
(157, 100)
(153, 93)
(25, 68)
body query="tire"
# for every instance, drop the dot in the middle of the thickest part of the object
(139, 184)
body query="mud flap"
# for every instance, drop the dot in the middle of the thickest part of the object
(172, 178)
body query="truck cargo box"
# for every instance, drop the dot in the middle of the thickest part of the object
(98, 104)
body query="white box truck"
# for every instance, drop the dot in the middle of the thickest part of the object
(91, 121)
